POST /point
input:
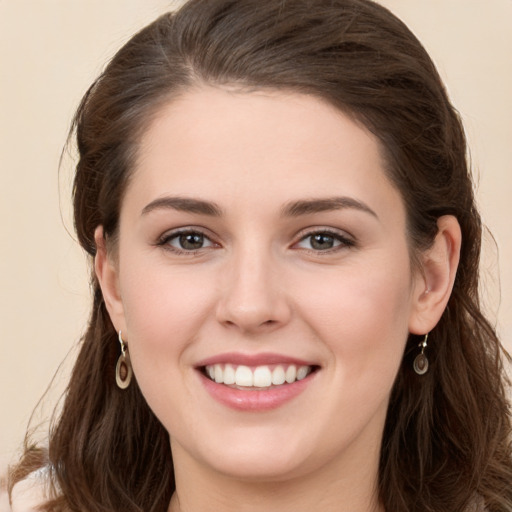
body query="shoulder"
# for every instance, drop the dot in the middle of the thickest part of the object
(29, 494)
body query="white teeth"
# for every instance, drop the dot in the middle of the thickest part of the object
(262, 377)
(243, 376)
(218, 373)
(291, 374)
(259, 377)
(302, 372)
(229, 374)
(278, 376)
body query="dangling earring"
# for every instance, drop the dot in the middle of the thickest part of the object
(420, 364)
(124, 370)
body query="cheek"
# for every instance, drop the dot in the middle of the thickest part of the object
(361, 317)
(362, 313)
(164, 311)
(158, 298)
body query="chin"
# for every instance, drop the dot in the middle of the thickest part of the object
(261, 469)
(267, 458)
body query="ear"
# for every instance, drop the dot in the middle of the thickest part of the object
(107, 274)
(434, 281)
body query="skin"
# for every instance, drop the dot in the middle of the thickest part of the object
(258, 285)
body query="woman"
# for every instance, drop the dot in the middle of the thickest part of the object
(278, 205)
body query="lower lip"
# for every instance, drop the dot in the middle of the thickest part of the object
(254, 399)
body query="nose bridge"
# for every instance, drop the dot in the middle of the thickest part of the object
(253, 296)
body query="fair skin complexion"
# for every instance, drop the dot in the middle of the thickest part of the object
(259, 229)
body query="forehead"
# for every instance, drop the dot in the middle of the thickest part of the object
(258, 145)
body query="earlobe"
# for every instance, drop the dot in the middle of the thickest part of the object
(107, 275)
(435, 283)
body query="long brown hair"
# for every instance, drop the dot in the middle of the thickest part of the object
(447, 436)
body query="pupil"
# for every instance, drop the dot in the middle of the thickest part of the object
(191, 241)
(322, 241)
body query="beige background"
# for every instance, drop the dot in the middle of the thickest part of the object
(50, 50)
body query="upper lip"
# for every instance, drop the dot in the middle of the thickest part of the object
(261, 359)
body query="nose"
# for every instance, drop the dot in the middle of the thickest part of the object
(253, 297)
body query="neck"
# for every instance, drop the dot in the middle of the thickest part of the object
(350, 486)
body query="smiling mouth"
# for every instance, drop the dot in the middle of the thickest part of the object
(257, 378)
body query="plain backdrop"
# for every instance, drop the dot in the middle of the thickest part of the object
(51, 50)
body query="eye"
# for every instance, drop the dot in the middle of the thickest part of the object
(324, 241)
(186, 241)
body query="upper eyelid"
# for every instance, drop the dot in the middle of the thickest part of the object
(164, 241)
(345, 240)
(171, 233)
(304, 233)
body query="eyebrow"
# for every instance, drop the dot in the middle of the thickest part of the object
(309, 206)
(184, 204)
(291, 209)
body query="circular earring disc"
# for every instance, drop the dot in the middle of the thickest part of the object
(124, 372)
(420, 364)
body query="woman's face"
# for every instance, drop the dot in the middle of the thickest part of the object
(263, 282)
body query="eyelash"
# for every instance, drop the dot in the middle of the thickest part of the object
(344, 242)
(165, 240)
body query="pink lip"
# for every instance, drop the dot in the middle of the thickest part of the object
(252, 400)
(265, 358)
